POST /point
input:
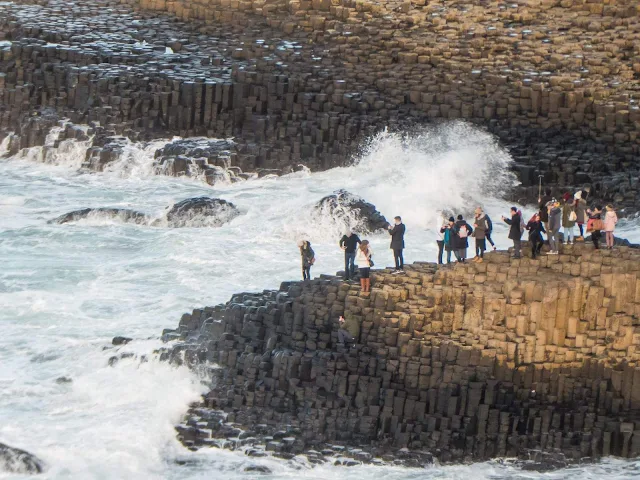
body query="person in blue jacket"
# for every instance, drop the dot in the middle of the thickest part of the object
(447, 236)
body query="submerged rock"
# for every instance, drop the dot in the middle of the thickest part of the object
(201, 212)
(123, 214)
(355, 212)
(14, 460)
(120, 340)
(258, 469)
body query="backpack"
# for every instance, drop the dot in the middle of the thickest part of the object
(523, 226)
(573, 216)
(463, 231)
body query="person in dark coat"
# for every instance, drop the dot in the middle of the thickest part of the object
(555, 223)
(397, 242)
(308, 259)
(536, 229)
(349, 242)
(447, 235)
(594, 225)
(544, 212)
(461, 233)
(515, 232)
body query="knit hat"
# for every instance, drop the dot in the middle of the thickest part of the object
(478, 210)
(451, 219)
(578, 195)
(566, 197)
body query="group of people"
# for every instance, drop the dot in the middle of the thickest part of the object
(453, 237)
(359, 253)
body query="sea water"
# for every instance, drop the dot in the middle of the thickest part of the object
(66, 290)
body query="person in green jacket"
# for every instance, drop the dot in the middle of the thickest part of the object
(349, 330)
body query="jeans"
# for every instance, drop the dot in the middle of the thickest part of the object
(440, 250)
(581, 228)
(568, 234)
(344, 336)
(517, 243)
(488, 235)
(536, 245)
(306, 272)
(397, 256)
(449, 256)
(461, 254)
(553, 240)
(481, 246)
(349, 264)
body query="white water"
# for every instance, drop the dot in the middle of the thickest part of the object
(66, 290)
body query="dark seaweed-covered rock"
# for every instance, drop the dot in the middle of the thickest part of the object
(123, 214)
(355, 212)
(14, 460)
(201, 212)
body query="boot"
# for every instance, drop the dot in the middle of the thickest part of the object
(479, 260)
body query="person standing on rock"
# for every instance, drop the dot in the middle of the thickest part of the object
(363, 259)
(349, 243)
(568, 218)
(397, 243)
(308, 259)
(481, 226)
(440, 241)
(544, 212)
(580, 206)
(461, 233)
(595, 225)
(515, 230)
(555, 222)
(536, 229)
(349, 330)
(489, 231)
(610, 221)
(447, 233)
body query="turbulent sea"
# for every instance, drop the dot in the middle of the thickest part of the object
(66, 290)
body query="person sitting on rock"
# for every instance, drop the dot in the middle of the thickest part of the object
(363, 259)
(447, 235)
(397, 242)
(536, 229)
(349, 242)
(349, 330)
(515, 230)
(461, 233)
(308, 259)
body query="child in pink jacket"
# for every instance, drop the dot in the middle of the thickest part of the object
(610, 220)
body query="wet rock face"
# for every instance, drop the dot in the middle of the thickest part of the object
(14, 460)
(122, 214)
(201, 212)
(355, 212)
(201, 156)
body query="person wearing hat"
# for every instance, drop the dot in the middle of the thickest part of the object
(580, 206)
(555, 222)
(461, 233)
(447, 234)
(480, 228)
(515, 230)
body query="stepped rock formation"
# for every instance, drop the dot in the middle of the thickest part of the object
(302, 81)
(469, 362)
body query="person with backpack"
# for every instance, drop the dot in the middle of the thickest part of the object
(481, 226)
(569, 218)
(515, 230)
(489, 231)
(595, 225)
(348, 243)
(447, 233)
(610, 221)
(308, 259)
(544, 212)
(555, 222)
(397, 243)
(461, 233)
(536, 229)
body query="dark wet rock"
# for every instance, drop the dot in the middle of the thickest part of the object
(201, 212)
(123, 214)
(14, 460)
(353, 211)
(258, 469)
(120, 340)
(104, 151)
(63, 380)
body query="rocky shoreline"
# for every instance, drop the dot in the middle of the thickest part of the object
(308, 82)
(529, 359)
